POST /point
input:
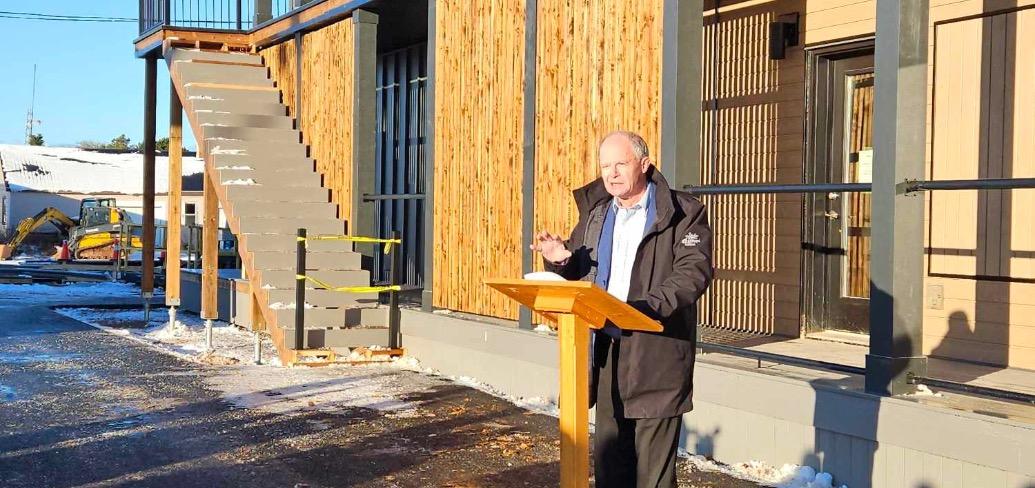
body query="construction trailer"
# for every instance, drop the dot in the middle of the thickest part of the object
(866, 165)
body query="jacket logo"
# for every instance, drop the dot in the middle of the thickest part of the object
(691, 239)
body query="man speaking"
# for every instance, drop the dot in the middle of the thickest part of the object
(650, 246)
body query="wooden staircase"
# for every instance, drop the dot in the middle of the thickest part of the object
(269, 188)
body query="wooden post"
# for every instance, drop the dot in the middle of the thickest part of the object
(577, 306)
(210, 251)
(147, 263)
(573, 335)
(300, 269)
(173, 202)
(258, 321)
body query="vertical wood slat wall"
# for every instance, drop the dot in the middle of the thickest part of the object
(327, 107)
(758, 124)
(327, 64)
(478, 136)
(598, 69)
(281, 60)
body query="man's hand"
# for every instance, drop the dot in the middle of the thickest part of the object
(551, 247)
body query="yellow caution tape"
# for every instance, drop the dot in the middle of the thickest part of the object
(387, 242)
(349, 289)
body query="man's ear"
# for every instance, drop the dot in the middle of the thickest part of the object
(645, 163)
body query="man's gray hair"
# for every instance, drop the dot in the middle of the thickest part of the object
(639, 146)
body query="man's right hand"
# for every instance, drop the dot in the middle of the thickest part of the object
(551, 247)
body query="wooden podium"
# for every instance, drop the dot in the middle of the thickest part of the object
(576, 307)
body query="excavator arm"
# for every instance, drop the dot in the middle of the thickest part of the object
(63, 222)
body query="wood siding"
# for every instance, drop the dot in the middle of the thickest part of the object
(478, 135)
(326, 114)
(983, 127)
(282, 62)
(753, 132)
(598, 69)
(327, 103)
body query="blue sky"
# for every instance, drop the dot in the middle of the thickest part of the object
(89, 87)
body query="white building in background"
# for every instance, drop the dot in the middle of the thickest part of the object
(37, 177)
(5, 207)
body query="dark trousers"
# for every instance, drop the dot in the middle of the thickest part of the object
(630, 453)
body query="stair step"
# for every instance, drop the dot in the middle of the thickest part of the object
(255, 149)
(280, 136)
(196, 92)
(260, 225)
(242, 194)
(324, 298)
(245, 120)
(284, 279)
(284, 210)
(286, 260)
(272, 178)
(229, 107)
(347, 337)
(180, 54)
(259, 162)
(280, 242)
(222, 73)
(316, 318)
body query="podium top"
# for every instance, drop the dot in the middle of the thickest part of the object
(581, 298)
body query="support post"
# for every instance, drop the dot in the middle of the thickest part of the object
(427, 302)
(210, 251)
(300, 250)
(899, 131)
(528, 152)
(258, 321)
(681, 92)
(362, 221)
(394, 315)
(574, 400)
(147, 263)
(174, 201)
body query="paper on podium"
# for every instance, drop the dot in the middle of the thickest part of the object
(544, 276)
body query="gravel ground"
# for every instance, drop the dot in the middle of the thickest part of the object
(82, 407)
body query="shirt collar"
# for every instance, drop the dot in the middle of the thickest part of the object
(640, 205)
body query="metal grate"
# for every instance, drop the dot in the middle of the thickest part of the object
(400, 158)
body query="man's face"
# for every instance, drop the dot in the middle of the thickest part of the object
(624, 174)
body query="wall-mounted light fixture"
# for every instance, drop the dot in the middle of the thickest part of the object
(783, 33)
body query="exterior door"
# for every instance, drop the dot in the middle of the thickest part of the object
(837, 241)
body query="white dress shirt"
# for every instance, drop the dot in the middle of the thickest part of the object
(630, 226)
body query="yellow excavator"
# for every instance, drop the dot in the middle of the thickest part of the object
(93, 237)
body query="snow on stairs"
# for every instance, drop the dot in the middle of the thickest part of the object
(268, 188)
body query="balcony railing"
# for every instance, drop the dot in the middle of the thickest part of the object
(233, 15)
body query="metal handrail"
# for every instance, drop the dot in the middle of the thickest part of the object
(909, 186)
(234, 15)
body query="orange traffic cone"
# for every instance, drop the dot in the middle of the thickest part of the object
(63, 253)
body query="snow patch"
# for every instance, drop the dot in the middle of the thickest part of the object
(329, 389)
(241, 182)
(185, 338)
(40, 293)
(786, 476)
(545, 406)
